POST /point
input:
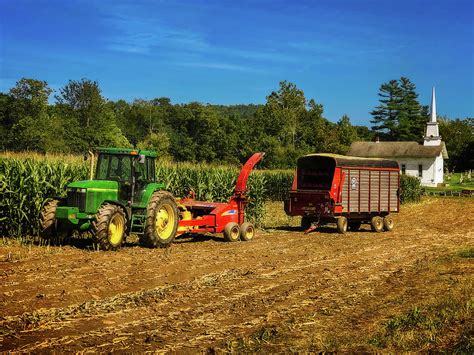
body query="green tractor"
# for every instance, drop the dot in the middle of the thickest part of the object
(123, 197)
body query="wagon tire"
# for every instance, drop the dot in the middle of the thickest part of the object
(161, 220)
(341, 225)
(354, 226)
(247, 231)
(109, 227)
(232, 232)
(376, 224)
(306, 222)
(388, 223)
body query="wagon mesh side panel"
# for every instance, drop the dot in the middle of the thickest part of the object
(374, 191)
(394, 190)
(384, 190)
(345, 190)
(364, 190)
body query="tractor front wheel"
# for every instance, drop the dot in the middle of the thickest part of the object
(247, 231)
(48, 223)
(161, 221)
(232, 232)
(109, 227)
(48, 218)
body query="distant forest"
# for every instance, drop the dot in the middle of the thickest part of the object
(287, 126)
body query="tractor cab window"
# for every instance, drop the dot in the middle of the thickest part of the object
(114, 167)
(150, 168)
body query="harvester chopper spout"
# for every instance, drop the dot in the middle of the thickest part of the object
(241, 185)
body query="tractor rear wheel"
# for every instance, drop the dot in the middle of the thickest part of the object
(161, 221)
(247, 231)
(377, 224)
(109, 226)
(342, 225)
(232, 232)
(388, 223)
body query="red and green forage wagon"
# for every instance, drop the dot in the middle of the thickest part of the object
(123, 197)
(348, 191)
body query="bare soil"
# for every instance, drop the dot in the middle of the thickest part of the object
(282, 291)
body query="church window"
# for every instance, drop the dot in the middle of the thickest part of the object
(404, 169)
(420, 170)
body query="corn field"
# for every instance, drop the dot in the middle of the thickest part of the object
(26, 180)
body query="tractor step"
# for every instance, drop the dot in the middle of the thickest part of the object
(137, 224)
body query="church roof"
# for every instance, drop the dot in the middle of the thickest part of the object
(396, 150)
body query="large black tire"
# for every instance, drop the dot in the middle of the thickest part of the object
(48, 219)
(247, 231)
(306, 222)
(232, 232)
(388, 223)
(109, 227)
(377, 224)
(161, 221)
(341, 225)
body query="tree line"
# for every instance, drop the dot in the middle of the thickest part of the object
(287, 126)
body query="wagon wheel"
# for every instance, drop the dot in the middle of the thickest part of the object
(232, 232)
(388, 223)
(109, 227)
(247, 231)
(377, 224)
(161, 221)
(342, 225)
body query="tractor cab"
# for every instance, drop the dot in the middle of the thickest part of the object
(133, 170)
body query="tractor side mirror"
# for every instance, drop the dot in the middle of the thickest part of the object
(141, 159)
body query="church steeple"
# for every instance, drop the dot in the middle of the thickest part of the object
(432, 136)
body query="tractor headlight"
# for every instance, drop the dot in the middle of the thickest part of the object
(82, 190)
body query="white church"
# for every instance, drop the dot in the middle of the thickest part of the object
(425, 161)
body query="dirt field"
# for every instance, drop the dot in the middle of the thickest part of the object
(282, 291)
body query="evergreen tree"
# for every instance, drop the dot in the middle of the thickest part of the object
(385, 115)
(399, 116)
(411, 121)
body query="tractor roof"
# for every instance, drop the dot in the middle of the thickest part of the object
(148, 153)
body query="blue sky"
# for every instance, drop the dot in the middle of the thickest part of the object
(229, 52)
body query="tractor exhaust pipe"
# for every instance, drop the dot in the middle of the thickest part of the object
(91, 167)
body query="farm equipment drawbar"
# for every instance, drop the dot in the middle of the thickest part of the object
(123, 197)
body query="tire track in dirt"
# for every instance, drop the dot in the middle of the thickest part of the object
(282, 276)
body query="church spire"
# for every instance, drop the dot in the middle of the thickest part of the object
(432, 136)
(433, 106)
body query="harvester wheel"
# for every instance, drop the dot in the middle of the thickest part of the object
(354, 225)
(247, 231)
(306, 222)
(342, 225)
(161, 221)
(377, 224)
(388, 223)
(232, 232)
(109, 227)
